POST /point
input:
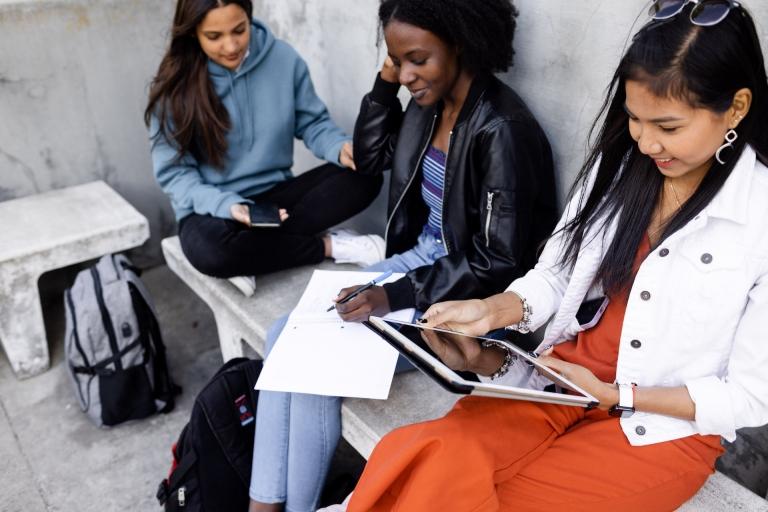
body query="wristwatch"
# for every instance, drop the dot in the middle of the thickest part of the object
(626, 406)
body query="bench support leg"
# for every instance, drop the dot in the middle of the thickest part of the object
(22, 331)
(230, 338)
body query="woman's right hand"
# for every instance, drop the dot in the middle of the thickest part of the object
(471, 317)
(240, 213)
(389, 71)
(476, 317)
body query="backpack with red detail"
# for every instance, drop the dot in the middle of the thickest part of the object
(211, 469)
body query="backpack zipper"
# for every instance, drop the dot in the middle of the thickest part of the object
(413, 175)
(489, 209)
(108, 326)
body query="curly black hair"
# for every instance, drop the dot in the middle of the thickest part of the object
(483, 30)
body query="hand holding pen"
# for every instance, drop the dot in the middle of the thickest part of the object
(357, 303)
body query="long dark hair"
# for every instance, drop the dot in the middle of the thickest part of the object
(190, 113)
(482, 29)
(704, 66)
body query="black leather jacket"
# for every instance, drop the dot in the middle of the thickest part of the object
(499, 194)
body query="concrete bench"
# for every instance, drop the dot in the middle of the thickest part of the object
(413, 397)
(48, 231)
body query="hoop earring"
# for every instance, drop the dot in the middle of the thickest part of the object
(730, 138)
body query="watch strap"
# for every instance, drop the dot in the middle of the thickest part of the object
(626, 396)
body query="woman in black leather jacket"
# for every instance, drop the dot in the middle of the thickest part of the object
(498, 199)
(472, 195)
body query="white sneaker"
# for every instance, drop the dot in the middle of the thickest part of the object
(348, 246)
(246, 284)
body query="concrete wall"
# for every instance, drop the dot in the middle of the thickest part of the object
(73, 82)
(74, 77)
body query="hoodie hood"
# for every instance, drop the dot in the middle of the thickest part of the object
(235, 82)
(261, 42)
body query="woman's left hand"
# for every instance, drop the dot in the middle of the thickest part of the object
(346, 157)
(457, 351)
(607, 394)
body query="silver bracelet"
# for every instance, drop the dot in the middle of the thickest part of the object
(508, 357)
(524, 325)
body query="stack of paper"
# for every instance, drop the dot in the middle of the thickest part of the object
(318, 353)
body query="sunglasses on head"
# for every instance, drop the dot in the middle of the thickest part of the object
(704, 13)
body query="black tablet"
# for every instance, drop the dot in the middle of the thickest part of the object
(407, 339)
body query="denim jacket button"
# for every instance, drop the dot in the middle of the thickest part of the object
(645, 295)
(664, 252)
(640, 430)
(706, 258)
(635, 343)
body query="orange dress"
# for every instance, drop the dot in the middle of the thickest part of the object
(505, 455)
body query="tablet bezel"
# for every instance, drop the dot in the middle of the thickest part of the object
(451, 381)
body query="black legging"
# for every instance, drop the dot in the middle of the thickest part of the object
(315, 200)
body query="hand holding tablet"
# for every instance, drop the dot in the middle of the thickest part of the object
(409, 340)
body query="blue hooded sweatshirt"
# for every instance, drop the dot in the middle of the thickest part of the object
(270, 100)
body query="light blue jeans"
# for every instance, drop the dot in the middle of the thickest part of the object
(296, 433)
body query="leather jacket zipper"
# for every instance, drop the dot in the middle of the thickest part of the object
(489, 209)
(410, 180)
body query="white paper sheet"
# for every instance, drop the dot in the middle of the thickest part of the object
(318, 353)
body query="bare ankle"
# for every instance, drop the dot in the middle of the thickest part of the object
(327, 246)
(256, 506)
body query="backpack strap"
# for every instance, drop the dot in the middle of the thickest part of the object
(164, 387)
(86, 368)
(78, 345)
(100, 368)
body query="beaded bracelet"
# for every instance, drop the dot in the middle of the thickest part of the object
(508, 357)
(524, 325)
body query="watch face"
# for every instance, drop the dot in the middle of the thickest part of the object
(620, 411)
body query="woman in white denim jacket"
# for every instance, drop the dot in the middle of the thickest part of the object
(670, 214)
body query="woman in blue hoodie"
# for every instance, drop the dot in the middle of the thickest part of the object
(226, 104)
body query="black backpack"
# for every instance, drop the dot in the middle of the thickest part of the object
(211, 469)
(113, 346)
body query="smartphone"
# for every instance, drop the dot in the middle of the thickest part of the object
(264, 215)
(591, 311)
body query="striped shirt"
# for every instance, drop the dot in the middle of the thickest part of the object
(433, 171)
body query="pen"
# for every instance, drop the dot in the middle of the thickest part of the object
(360, 290)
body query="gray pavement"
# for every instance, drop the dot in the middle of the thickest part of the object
(53, 459)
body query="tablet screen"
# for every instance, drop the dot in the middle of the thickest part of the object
(413, 333)
(407, 339)
(520, 356)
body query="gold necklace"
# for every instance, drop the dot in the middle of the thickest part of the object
(663, 222)
(677, 198)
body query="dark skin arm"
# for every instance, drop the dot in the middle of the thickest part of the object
(372, 301)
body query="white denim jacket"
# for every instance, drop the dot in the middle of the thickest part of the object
(697, 314)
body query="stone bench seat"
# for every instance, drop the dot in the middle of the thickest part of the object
(413, 397)
(48, 231)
